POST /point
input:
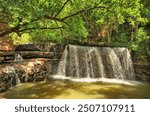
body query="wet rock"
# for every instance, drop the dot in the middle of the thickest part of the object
(142, 72)
(3, 86)
(141, 62)
(37, 72)
(7, 80)
(29, 71)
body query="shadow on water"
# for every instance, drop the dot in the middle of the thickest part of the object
(66, 89)
(117, 91)
(40, 90)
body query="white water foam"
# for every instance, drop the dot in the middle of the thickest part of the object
(91, 80)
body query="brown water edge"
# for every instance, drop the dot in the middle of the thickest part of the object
(65, 89)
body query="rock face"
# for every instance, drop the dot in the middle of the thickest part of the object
(142, 66)
(142, 72)
(28, 63)
(32, 70)
(6, 81)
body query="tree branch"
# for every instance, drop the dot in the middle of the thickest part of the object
(3, 22)
(14, 29)
(62, 8)
(60, 29)
(18, 29)
(81, 11)
(41, 28)
(74, 14)
(54, 18)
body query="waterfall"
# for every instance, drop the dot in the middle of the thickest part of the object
(14, 76)
(95, 63)
(18, 58)
(62, 65)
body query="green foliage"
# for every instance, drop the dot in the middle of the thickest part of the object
(141, 40)
(47, 36)
(76, 28)
(23, 39)
(123, 22)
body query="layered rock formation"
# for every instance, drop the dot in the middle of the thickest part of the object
(28, 63)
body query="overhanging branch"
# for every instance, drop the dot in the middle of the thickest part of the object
(81, 11)
(62, 8)
(23, 27)
(54, 18)
(41, 28)
(6, 32)
(3, 22)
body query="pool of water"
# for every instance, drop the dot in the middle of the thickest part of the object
(66, 89)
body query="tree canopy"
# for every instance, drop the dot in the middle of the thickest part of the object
(116, 22)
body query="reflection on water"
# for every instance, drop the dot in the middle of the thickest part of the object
(65, 89)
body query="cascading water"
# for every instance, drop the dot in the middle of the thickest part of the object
(10, 70)
(18, 58)
(95, 63)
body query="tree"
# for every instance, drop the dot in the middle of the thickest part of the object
(27, 15)
(107, 20)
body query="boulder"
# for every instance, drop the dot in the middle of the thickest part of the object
(7, 80)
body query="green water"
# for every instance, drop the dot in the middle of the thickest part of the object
(64, 89)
